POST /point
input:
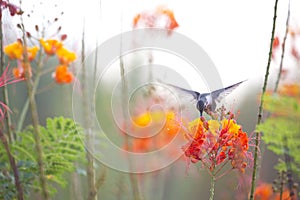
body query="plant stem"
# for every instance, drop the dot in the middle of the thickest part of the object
(133, 178)
(92, 194)
(124, 96)
(35, 119)
(281, 176)
(4, 88)
(283, 49)
(212, 187)
(257, 135)
(13, 166)
(35, 86)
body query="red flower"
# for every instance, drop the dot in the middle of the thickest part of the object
(214, 142)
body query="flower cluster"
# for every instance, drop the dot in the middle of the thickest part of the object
(215, 142)
(16, 51)
(161, 17)
(62, 74)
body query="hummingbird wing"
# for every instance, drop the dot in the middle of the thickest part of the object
(191, 94)
(185, 94)
(220, 94)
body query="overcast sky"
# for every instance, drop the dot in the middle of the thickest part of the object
(234, 33)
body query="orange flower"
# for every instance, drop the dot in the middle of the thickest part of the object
(19, 72)
(136, 20)
(62, 75)
(65, 56)
(263, 192)
(51, 46)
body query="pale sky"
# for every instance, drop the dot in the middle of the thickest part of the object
(234, 33)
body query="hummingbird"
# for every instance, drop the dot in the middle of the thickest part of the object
(207, 101)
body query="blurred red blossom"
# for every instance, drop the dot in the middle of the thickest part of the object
(161, 17)
(13, 9)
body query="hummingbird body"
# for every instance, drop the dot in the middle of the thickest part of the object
(207, 101)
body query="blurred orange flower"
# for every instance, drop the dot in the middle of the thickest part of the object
(62, 75)
(65, 56)
(290, 90)
(19, 72)
(164, 123)
(263, 192)
(161, 17)
(51, 46)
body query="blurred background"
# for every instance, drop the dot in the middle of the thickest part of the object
(234, 34)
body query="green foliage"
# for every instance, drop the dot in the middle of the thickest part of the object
(62, 145)
(283, 105)
(282, 129)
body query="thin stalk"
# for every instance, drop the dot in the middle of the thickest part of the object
(4, 88)
(212, 187)
(260, 109)
(101, 178)
(283, 49)
(133, 178)
(92, 194)
(288, 163)
(281, 176)
(12, 162)
(124, 96)
(36, 82)
(35, 119)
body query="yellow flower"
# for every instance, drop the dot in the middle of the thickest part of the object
(143, 119)
(14, 50)
(214, 126)
(32, 52)
(65, 56)
(231, 126)
(51, 46)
